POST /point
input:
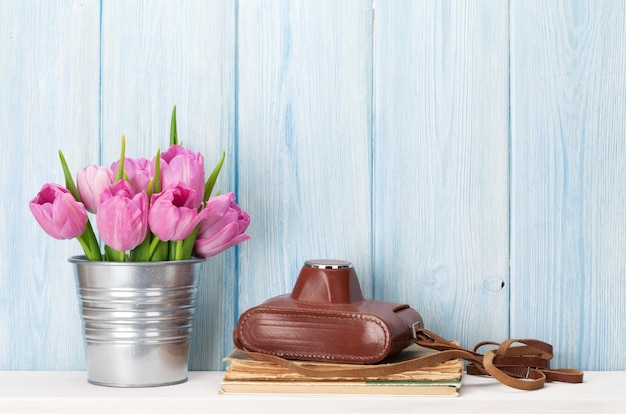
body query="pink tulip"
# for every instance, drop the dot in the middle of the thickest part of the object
(91, 182)
(173, 213)
(122, 217)
(223, 227)
(138, 170)
(58, 213)
(179, 164)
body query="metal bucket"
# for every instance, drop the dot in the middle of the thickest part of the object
(137, 319)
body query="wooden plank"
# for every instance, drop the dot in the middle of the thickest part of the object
(392, 154)
(568, 217)
(440, 163)
(304, 117)
(49, 74)
(156, 55)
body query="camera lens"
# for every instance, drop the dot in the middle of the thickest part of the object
(328, 264)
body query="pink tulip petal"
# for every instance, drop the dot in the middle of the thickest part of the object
(58, 213)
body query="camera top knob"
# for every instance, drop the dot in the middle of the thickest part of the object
(327, 282)
(328, 264)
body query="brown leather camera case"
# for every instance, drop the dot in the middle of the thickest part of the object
(326, 318)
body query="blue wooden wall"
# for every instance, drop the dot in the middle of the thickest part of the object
(466, 156)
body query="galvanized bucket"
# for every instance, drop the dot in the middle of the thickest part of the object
(137, 319)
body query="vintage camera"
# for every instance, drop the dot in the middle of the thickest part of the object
(326, 318)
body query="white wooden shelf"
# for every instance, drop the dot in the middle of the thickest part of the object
(69, 392)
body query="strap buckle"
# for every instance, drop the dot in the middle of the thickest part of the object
(414, 327)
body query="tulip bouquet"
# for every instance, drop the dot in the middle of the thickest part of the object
(145, 210)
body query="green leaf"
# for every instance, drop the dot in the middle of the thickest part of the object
(94, 247)
(150, 188)
(176, 250)
(157, 173)
(171, 250)
(210, 183)
(141, 253)
(85, 245)
(120, 168)
(87, 240)
(160, 254)
(173, 129)
(158, 250)
(69, 181)
(188, 243)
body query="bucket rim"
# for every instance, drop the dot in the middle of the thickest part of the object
(82, 259)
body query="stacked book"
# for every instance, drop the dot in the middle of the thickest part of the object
(246, 375)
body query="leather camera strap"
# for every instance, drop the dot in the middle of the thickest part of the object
(519, 363)
(525, 366)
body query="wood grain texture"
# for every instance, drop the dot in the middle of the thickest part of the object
(441, 163)
(155, 55)
(49, 90)
(416, 139)
(568, 179)
(304, 118)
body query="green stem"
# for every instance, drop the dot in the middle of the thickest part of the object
(179, 250)
(114, 255)
(153, 245)
(171, 250)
